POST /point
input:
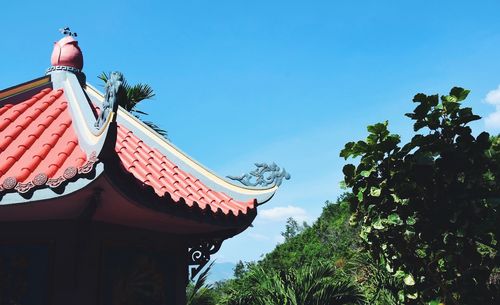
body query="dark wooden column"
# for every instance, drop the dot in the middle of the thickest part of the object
(181, 274)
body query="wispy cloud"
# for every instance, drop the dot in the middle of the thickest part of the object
(282, 213)
(492, 121)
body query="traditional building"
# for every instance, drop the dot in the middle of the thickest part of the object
(97, 208)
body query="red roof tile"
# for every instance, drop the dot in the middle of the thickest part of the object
(151, 167)
(38, 144)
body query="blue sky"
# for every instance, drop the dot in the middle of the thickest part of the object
(285, 81)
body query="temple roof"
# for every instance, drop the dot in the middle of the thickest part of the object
(50, 148)
(60, 137)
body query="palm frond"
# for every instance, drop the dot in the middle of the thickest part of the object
(198, 292)
(104, 76)
(139, 92)
(309, 285)
(379, 285)
(157, 129)
(320, 284)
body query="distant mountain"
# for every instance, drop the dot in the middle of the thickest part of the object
(220, 272)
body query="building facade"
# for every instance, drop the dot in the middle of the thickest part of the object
(96, 207)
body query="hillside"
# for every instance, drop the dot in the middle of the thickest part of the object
(329, 239)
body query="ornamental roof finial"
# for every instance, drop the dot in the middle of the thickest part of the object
(67, 55)
(67, 31)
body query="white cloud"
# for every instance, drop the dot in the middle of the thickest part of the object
(492, 121)
(282, 213)
(493, 97)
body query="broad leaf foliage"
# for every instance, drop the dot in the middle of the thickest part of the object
(429, 209)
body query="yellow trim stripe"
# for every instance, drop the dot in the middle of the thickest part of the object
(24, 87)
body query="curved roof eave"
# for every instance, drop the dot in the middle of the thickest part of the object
(185, 162)
(48, 193)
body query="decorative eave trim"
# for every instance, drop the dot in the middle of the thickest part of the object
(199, 254)
(63, 68)
(41, 179)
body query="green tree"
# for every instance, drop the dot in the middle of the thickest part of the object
(329, 239)
(292, 228)
(429, 210)
(239, 269)
(136, 94)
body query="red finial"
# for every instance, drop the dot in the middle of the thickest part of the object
(67, 52)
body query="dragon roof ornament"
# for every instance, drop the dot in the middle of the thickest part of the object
(264, 175)
(115, 95)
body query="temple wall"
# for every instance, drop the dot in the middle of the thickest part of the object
(72, 262)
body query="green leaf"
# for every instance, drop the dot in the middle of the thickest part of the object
(460, 93)
(419, 98)
(347, 151)
(390, 143)
(348, 171)
(360, 148)
(364, 233)
(449, 99)
(388, 268)
(379, 128)
(401, 296)
(378, 225)
(372, 139)
(409, 280)
(412, 296)
(411, 220)
(399, 274)
(394, 219)
(367, 173)
(375, 191)
(433, 100)
(433, 120)
(422, 110)
(419, 125)
(360, 195)
(420, 252)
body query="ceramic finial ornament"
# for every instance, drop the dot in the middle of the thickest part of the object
(66, 51)
(67, 31)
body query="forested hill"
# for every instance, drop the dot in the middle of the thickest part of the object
(329, 239)
(328, 249)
